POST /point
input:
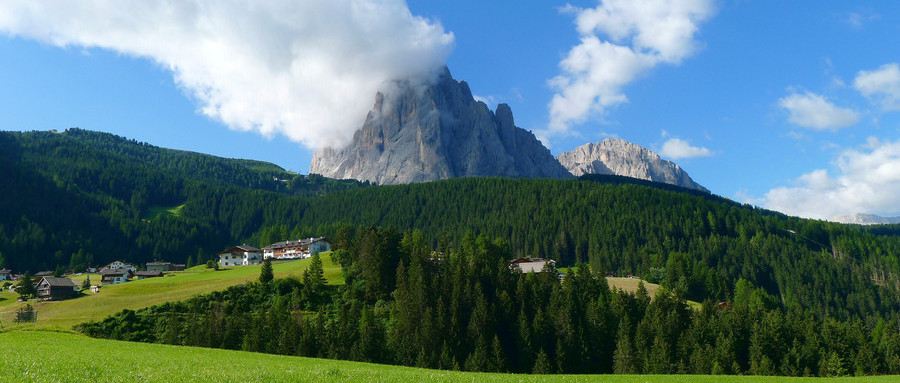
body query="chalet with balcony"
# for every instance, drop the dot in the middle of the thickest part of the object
(299, 249)
(115, 276)
(242, 255)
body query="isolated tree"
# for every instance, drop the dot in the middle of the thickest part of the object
(265, 274)
(210, 264)
(190, 262)
(87, 283)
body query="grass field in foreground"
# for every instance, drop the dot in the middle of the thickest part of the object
(136, 294)
(44, 356)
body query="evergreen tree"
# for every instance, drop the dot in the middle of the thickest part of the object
(86, 284)
(542, 364)
(25, 288)
(625, 357)
(266, 274)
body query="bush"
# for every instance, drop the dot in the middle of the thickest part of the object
(26, 314)
(210, 264)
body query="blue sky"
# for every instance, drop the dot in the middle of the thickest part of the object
(793, 106)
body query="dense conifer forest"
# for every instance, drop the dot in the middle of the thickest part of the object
(82, 197)
(462, 308)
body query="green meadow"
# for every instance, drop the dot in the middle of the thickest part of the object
(136, 294)
(48, 356)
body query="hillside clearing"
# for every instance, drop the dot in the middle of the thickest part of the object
(176, 286)
(162, 211)
(48, 356)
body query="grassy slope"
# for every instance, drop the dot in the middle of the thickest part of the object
(61, 357)
(178, 286)
(157, 211)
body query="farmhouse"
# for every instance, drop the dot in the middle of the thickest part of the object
(160, 266)
(118, 265)
(115, 276)
(5, 275)
(50, 288)
(530, 265)
(299, 249)
(148, 274)
(242, 255)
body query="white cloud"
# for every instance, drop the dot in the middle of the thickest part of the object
(882, 84)
(676, 149)
(639, 36)
(813, 111)
(305, 69)
(867, 181)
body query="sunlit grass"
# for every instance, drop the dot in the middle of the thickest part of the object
(43, 356)
(176, 286)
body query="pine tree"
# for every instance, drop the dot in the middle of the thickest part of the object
(87, 283)
(624, 358)
(265, 273)
(542, 364)
(24, 287)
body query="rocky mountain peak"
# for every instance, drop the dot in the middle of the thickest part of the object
(620, 157)
(422, 133)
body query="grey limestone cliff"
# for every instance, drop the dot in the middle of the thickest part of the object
(620, 157)
(417, 134)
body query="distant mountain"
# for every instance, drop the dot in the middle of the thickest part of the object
(865, 219)
(439, 132)
(620, 157)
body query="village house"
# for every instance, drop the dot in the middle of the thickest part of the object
(530, 265)
(118, 265)
(5, 275)
(45, 273)
(50, 288)
(242, 255)
(148, 274)
(299, 249)
(115, 276)
(160, 266)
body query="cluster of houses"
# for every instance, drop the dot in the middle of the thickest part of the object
(245, 255)
(55, 288)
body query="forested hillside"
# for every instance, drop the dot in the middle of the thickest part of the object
(464, 309)
(82, 197)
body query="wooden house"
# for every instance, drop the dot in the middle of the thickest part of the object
(50, 288)
(148, 274)
(160, 266)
